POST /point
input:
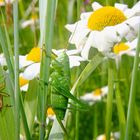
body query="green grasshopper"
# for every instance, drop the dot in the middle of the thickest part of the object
(60, 86)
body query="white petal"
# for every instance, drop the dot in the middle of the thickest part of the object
(111, 34)
(87, 97)
(136, 8)
(2, 60)
(122, 29)
(72, 52)
(31, 71)
(104, 90)
(70, 27)
(85, 15)
(73, 63)
(23, 62)
(96, 6)
(89, 42)
(58, 52)
(121, 7)
(27, 23)
(79, 33)
(134, 23)
(24, 88)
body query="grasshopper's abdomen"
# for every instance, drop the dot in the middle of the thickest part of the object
(60, 79)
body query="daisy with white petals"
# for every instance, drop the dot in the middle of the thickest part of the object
(95, 96)
(104, 27)
(30, 22)
(50, 115)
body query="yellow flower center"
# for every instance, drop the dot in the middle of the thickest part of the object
(97, 92)
(34, 54)
(34, 17)
(50, 112)
(23, 81)
(106, 16)
(120, 47)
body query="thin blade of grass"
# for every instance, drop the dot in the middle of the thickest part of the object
(109, 106)
(130, 112)
(46, 30)
(16, 70)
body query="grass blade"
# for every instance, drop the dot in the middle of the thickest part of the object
(130, 112)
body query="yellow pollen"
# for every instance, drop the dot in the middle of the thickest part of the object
(50, 112)
(23, 81)
(106, 16)
(120, 47)
(97, 92)
(34, 54)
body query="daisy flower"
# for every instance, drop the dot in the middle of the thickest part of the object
(95, 96)
(104, 26)
(31, 61)
(30, 22)
(50, 115)
(122, 48)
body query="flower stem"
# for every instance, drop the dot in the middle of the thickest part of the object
(77, 121)
(131, 104)
(109, 99)
(95, 125)
(120, 110)
(16, 70)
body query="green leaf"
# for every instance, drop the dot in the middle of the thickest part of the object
(91, 66)
(30, 103)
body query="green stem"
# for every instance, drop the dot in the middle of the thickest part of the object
(77, 121)
(45, 63)
(24, 120)
(109, 99)
(95, 126)
(136, 118)
(130, 112)
(17, 90)
(120, 112)
(119, 103)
